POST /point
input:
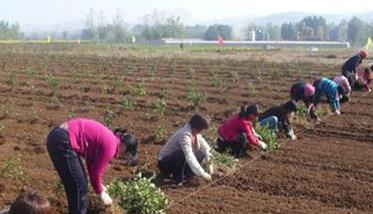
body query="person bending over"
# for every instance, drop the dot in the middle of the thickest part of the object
(349, 68)
(344, 88)
(301, 90)
(329, 88)
(186, 153)
(237, 134)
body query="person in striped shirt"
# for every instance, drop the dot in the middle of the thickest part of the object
(329, 88)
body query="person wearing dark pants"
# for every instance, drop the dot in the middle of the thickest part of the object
(98, 145)
(238, 134)
(349, 68)
(283, 114)
(186, 152)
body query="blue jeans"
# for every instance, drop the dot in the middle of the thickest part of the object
(176, 165)
(70, 169)
(271, 122)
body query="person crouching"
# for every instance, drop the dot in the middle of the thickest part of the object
(282, 115)
(185, 153)
(237, 134)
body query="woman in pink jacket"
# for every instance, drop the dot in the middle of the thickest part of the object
(98, 145)
(237, 133)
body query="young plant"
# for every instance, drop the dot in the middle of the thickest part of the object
(160, 106)
(160, 133)
(53, 83)
(13, 169)
(139, 195)
(109, 117)
(269, 136)
(138, 90)
(127, 103)
(195, 97)
(302, 111)
(13, 79)
(252, 90)
(224, 160)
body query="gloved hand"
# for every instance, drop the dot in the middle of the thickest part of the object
(211, 169)
(263, 145)
(292, 135)
(338, 112)
(105, 198)
(207, 177)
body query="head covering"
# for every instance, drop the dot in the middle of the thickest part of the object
(363, 53)
(309, 90)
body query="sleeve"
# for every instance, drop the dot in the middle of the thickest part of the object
(286, 123)
(205, 147)
(97, 168)
(186, 146)
(250, 133)
(335, 102)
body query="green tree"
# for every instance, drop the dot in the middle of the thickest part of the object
(356, 31)
(214, 31)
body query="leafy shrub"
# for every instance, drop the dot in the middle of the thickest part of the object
(269, 136)
(138, 90)
(223, 160)
(139, 195)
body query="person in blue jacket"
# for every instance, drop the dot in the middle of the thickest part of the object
(329, 88)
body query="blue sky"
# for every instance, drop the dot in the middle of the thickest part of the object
(52, 11)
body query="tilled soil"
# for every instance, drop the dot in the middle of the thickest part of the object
(328, 170)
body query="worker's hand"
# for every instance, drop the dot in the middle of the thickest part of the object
(292, 135)
(263, 145)
(207, 177)
(211, 169)
(105, 198)
(338, 112)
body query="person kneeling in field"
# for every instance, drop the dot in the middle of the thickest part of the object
(301, 90)
(282, 114)
(98, 145)
(344, 88)
(364, 78)
(350, 67)
(186, 151)
(327, 87)
(237, 134)
(29, 203)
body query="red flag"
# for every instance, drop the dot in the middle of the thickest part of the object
(220, 40)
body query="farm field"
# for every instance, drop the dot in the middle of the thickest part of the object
(328, 170)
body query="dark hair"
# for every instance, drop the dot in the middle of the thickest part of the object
(367, 70)
(290, 106)
(198, 122)
(371, 68)
(247, 110)
(129, 140)
(30, 203)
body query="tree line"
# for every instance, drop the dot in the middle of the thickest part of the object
(158, 25)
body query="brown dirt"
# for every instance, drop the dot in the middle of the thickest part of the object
(329, 170)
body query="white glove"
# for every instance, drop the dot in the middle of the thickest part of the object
(105, 198)
(292, 135)
(211, 169)
(338, 112)
(263, 145)
(207, 177)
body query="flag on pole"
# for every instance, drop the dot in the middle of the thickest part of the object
(220, 40)
(369, 43)
(49, 39)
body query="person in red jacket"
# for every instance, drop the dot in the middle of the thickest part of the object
(237, 133)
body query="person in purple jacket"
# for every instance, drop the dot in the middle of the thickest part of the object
(98, 145)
